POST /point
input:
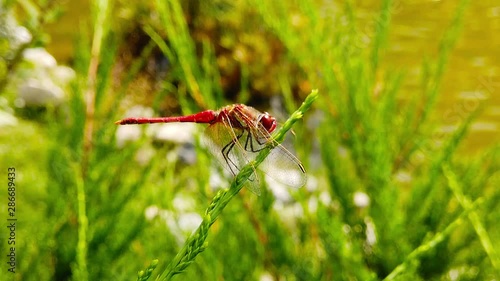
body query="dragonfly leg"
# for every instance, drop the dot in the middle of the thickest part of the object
(249, 144)
(233, 167)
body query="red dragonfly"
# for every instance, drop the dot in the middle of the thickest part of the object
(235, 136)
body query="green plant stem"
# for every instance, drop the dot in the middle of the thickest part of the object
(144, 275)
(195, 244)
(102, 10)
(473, 216)
(431, 244)
(83, 225)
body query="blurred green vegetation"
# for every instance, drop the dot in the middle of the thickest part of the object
(83, 202)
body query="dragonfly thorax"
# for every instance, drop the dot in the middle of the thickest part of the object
(240, 116)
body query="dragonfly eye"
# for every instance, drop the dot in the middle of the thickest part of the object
(268, 122)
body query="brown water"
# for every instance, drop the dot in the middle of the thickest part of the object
(473, 74)
(472, 78)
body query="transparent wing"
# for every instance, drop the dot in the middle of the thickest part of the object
(283, 167)
(224, 143)
(280, 164)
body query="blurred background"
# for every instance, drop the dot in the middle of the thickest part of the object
(401, 148)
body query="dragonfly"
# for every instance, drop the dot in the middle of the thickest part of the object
(235, 135)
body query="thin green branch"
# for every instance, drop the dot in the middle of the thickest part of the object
(102, 10)
(474, 218)
(144, 275)
(431, 244)
(81, 272)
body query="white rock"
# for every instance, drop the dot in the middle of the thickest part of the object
(361, 199)
(40, 92)
(39, 57)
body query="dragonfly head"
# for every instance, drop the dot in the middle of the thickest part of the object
(268, 122)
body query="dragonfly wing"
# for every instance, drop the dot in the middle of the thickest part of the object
(224, 143)
(285, 168)
(280, 164)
